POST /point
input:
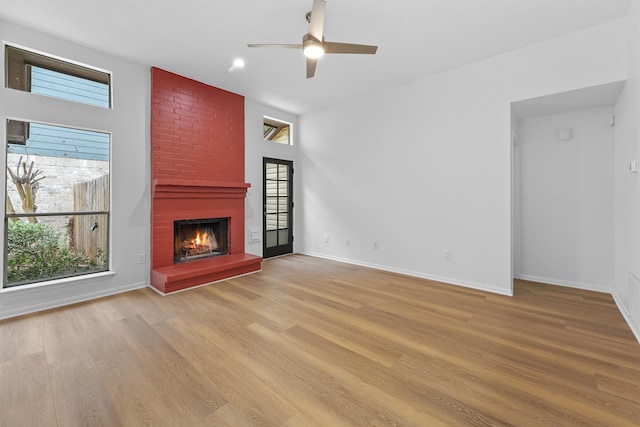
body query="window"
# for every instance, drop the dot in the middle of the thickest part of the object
(57, 179)
(37, 73)
(57, 205)
(276, 131)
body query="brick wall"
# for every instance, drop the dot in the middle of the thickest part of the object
(197, 131)
(197, 160)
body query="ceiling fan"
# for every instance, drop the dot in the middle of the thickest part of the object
(313, 44)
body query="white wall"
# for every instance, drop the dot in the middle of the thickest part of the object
(426, 167)
(129, 123)
(256, 148)
(566, 194)
(516, 203)
(627, 191)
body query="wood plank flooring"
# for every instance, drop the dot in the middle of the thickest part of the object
(310, 342)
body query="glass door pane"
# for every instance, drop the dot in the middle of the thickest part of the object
(278, 206)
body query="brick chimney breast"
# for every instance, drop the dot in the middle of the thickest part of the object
(197, 171)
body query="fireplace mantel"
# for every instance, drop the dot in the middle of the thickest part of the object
(180, 189)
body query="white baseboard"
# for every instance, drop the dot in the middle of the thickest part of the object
(420, 275)
(626, 315)
(566, 283)
(54, 298)
(589, 287)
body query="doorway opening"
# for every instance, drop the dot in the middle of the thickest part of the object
(563, 188)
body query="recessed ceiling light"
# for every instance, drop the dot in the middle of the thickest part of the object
(237, 64)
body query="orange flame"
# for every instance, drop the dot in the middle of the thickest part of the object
(201, 243)
(201, 240)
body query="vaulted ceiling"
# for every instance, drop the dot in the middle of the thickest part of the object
(201, 38)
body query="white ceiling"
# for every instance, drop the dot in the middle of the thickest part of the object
(201, 38)
(589, 97)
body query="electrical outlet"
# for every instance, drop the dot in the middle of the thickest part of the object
(142, 258)
(254, 235)
(447, 255)
(326, 238)
(347, 242)
(375, 245)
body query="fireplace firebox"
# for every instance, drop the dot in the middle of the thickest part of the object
(200, 238)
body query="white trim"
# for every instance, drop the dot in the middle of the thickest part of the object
(70, 61)
(278, 256)
(60, 125)
(626, 315)
(71, 299)
(58, 283)
(290, 144)
(56, 57)
(481, 287)
(446, 280)
(566, 283)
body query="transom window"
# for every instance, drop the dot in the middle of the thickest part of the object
(276, 131)
(33, 72)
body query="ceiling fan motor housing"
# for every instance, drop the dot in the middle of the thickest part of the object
(313, 43)
(312, 47)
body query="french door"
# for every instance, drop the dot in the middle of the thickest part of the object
(278, 207)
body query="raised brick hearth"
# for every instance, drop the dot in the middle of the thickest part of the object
(197, 168)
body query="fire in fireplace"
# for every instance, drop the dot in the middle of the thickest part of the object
(200, 238)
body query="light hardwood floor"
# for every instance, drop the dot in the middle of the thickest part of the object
(310, 342)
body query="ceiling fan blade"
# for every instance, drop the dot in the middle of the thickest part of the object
(285, 46)
(311, 67)
(330, 47)
(316, 23)
(313, 42)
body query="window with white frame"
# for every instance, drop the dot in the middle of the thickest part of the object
(275, 130)
(57, 176)
(37, 73)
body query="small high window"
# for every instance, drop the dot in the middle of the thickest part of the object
(276, 131)
(32, 72)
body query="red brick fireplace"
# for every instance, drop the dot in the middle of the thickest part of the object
(197, 171)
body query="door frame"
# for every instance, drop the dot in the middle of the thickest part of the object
(286, 248)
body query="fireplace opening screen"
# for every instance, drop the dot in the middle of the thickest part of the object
(200, 238)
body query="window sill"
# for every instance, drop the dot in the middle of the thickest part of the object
(59, 283)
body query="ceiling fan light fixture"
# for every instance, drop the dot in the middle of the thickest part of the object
(311, 47)
(313, 51)
(314, 45)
